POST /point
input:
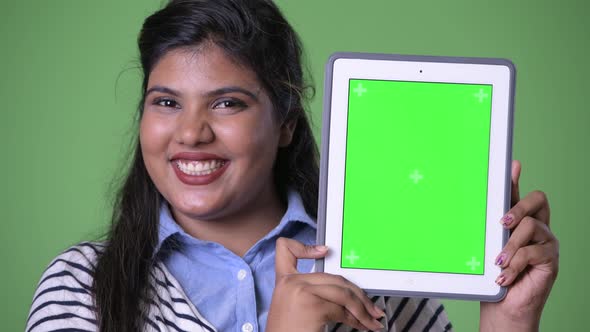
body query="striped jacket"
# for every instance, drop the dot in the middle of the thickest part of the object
(63, 301)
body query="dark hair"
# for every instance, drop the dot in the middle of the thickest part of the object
(253, 33)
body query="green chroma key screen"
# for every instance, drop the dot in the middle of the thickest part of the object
(416, 176)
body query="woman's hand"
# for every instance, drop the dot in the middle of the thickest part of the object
(306, 302)
(529, 261)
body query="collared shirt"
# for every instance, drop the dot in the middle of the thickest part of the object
(201, 286)
(233, 293)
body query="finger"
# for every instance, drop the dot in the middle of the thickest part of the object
(535, 204)
(346, 298)
(289, 250)
(516, 168)
(529, 231)
(338, 314)
(336, 280)
(536, 254)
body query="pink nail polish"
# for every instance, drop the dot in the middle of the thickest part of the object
(501, 259)
(500, 280)
(507, 220)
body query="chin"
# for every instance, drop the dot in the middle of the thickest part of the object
(197, 206)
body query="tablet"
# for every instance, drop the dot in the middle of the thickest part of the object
(415, 173)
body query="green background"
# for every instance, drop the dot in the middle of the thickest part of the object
(68, 89)
(439, 131)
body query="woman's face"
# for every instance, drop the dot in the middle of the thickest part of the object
(208, 135)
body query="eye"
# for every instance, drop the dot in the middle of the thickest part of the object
(166, 102)
(229, 105)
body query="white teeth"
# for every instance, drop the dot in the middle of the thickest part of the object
(199, 167)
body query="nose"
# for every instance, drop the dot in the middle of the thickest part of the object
(194, 128)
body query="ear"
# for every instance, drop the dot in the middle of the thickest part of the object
(287, 130)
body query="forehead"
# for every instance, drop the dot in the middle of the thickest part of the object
(203, 68)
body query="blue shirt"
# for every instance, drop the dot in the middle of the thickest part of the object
(233, 293)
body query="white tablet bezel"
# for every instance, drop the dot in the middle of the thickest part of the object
(343, 67)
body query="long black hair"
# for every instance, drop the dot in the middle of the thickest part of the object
(255, 34)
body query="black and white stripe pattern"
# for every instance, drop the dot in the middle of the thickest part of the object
(63, 301)
(406, 315)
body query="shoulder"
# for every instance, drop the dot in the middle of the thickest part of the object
(63, 298)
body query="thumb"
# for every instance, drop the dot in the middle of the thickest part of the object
(516, 168)
(289, 250)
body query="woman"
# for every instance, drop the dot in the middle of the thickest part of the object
(216, 218)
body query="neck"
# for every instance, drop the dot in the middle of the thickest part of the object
(237, 232)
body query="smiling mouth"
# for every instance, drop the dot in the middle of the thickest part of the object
(199, 167)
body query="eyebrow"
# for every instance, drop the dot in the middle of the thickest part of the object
(216, 92)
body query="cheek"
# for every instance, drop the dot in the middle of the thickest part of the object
(254, 138)
(154, 136)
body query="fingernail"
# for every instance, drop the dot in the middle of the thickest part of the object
(319, 248)
(500, 280)
(379, 311)
(507, 220)
(378, 323)
(501, 259)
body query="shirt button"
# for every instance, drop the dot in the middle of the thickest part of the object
(247, 327)
(241, 275)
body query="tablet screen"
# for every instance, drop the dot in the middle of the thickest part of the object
(416, 176)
